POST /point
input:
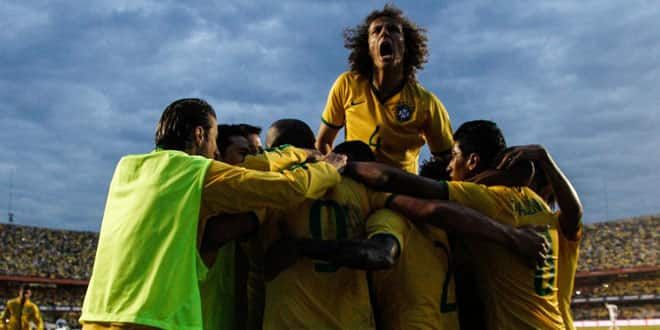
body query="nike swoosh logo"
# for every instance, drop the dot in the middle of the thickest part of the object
(354, 103)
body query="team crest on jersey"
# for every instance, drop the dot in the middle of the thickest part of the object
(404, 112)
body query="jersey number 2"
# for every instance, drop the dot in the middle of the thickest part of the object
(544, 275)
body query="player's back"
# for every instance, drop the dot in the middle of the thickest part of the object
(517, 296)
(317, 295)
(419, 291)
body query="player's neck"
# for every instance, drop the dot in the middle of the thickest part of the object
(387, 81)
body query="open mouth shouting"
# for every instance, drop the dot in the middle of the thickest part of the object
(386, 50)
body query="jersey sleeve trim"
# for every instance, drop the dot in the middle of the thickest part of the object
(331, 125)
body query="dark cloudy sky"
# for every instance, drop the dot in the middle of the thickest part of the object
(82, 84)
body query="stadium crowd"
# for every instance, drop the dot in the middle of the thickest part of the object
(46, 253)
(626, 312)
(617, 244)
(625, 243)
(621, 287)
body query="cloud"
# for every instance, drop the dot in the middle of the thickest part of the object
(83, 85)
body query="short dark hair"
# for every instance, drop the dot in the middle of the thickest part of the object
(176, 124)
(225, 133)
(248, 129)
(23, 289)
(356, 151)
(294, 132)
(357, 41)
(482, 137)
(434, 168)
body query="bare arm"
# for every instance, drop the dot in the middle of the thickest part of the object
(387, 178)
(325, 138)
(466, 222)
(223, 228)
(570, 207)
(378, 252)
(519, 175)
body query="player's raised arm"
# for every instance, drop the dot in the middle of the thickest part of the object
(466, 222)
(570, 207)
(326, 137)
(387, 178)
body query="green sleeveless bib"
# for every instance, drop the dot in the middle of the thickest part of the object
(147, 266)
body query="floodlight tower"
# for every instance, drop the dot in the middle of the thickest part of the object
(10, 214)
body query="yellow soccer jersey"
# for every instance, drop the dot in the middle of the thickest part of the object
(313, 294)
(20, 315)
(419, 291)
(396, 129)
(568, 258)
(275, 159)
(516, 296)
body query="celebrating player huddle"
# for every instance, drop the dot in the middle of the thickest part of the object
(210, 231)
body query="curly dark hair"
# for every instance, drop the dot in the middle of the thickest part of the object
(357, 41)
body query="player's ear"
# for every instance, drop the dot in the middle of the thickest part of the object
(473, 162)
(200, 135)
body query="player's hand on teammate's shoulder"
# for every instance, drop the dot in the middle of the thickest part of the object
(313, 155)
(338, 161)
(531, 244)
(533, 152)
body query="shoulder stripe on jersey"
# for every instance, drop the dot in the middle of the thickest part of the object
(331, 125)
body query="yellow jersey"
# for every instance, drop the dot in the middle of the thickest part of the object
(313, 294)
(275, 159)
(568, 259)
(20, 316)
(419, 291)
(218, 290)
(397, 128)
(516, 296)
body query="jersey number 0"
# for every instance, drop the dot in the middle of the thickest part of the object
(316, 227)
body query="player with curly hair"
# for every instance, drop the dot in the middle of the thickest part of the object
(379, 101)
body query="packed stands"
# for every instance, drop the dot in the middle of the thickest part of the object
(619, 265)
(621, 287)
(620, 244)
(56, 263)
(599, 312)
(46, 253)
